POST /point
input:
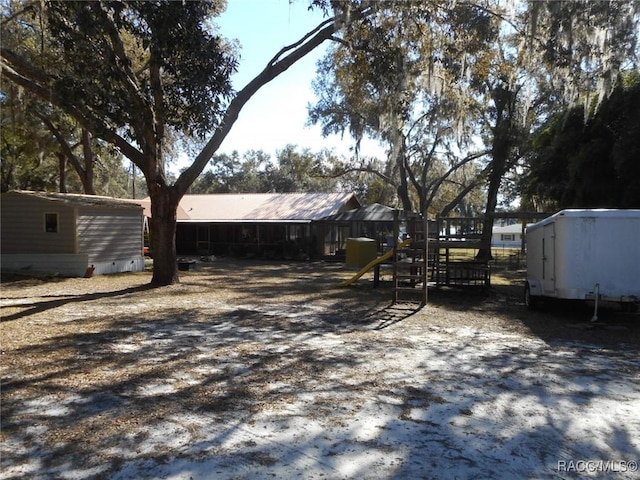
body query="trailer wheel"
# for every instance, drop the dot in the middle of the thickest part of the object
(531, 301)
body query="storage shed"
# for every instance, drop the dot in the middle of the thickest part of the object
(69, 234)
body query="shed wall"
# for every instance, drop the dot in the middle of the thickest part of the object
(106, 234)
(23, 227)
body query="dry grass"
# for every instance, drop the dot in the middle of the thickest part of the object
(113, 337)
(36, 311)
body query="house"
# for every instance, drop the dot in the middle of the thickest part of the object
(69, 234)
(507, 236)
(267, 225)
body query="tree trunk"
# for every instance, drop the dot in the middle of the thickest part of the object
(162, 225)
(403, 193)
(402, 189)
(86, 173)
(502, 143)
(62, 163)
(495, 179)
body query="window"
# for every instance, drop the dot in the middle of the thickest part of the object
(51, 222)
(508, 237)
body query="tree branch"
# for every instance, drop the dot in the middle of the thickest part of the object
(67, 150)
(373, 171)
(341, 41)
(130, 80)
(277, 65)
(29, 6)
(300, 42)
(436, 185)
(274, 68)
(463, 193)
(37, 82)
(417, 185)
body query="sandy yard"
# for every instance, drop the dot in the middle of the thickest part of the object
(262, 370)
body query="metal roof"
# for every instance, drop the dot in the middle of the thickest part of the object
(375, 212)
(146, 205)
(262, 207)
(75, 199)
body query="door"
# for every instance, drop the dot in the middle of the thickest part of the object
(549, 259)
(203, 239)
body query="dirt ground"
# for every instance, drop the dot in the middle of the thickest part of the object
(251, 369)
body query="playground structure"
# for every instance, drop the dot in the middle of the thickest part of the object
(454, 253)
(374, 263)
(410, 259)
(408, 256)
(436, 253)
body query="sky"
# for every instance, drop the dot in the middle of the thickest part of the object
(277, 114)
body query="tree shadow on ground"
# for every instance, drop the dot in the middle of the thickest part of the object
(257, 387)
(149, 390)
(555, 321)
(117, 385)
(31, 308)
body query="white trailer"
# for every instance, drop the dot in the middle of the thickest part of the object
(591, 255)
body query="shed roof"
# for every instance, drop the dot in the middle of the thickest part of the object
(375, 212)
(262, 207)
(75, 199)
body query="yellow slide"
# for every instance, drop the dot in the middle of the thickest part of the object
(373, 263)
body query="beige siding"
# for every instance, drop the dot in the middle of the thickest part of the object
(109, 234)
(23, 229)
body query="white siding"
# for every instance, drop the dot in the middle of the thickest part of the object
(45, 264)
(118, 266)
(574, 250)
(498, 240)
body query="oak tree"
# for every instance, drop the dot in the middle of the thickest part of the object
(498, 67)
(131, 72)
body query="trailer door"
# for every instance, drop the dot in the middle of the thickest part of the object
(548, 259)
